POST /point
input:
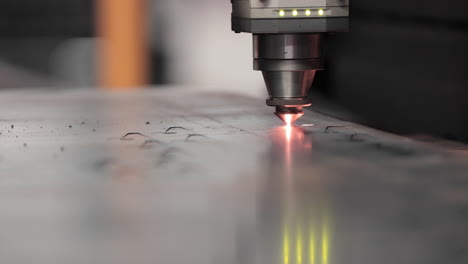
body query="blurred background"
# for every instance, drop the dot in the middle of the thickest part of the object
(401, 68)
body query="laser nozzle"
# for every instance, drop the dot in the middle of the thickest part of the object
(289, 115)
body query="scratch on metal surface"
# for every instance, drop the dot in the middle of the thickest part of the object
(126, 137)
(168, 131)
(194, 135)
(328, 127)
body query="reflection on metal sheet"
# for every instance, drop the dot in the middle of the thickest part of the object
(286, 246)
(306, 235)
(253, 193)
(311, 245)
(325, 242)
(299, 245)
(317, 242)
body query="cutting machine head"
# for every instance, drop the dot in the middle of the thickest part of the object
(287, 37)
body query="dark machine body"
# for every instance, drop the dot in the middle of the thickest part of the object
(287, 37)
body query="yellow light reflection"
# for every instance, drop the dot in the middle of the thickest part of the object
(325, 243)
(321, 12)
(281, 13)
(311, 247)
(314, 245)
(286, 247)
(299, 247)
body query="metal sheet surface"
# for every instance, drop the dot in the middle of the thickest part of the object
(215, 178)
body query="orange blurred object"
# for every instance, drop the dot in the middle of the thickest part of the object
(123, 47)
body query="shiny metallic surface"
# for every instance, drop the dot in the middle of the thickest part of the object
(288, 63)
(287, 46)
(289, 110)
(288, 102)
(145, 177)
(288, 84)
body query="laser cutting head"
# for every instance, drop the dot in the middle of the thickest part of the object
(288, 63)
(287, 37)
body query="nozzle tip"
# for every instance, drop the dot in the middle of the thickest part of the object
(289, 117)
